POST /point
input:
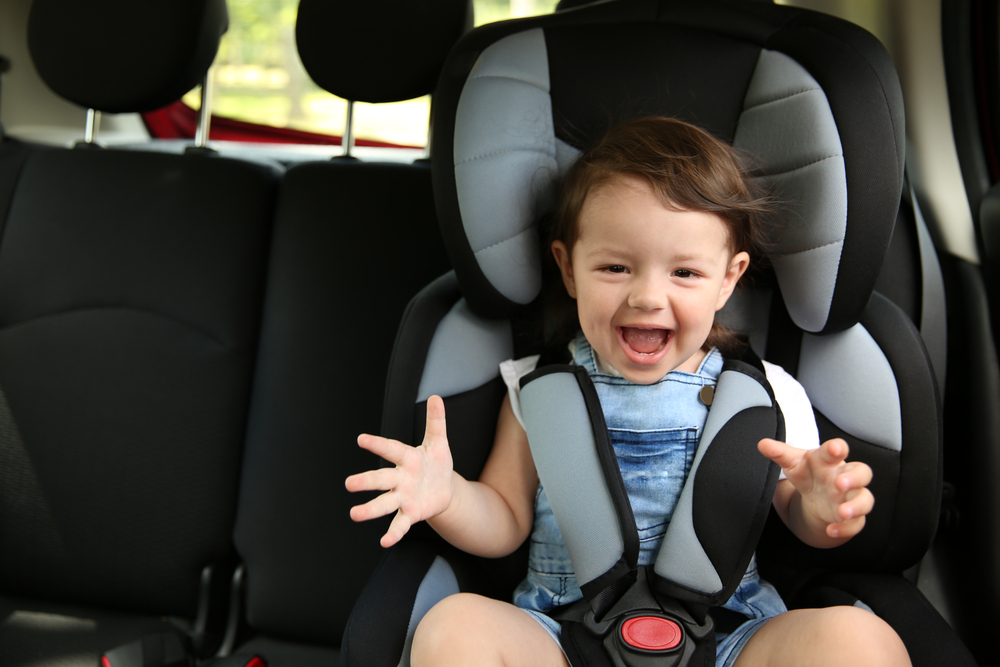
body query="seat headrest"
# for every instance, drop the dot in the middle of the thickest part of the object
(121, 55)
(815, 101)
(378, 50)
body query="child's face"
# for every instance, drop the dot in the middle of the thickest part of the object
(647, 280)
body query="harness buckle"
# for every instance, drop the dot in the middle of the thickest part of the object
(650, 634)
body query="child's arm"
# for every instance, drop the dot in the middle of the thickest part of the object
(491, 517)
(824, 499)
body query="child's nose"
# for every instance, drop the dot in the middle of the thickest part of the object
(648, 294)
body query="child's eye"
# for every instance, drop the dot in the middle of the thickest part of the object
(617, 268)
(684, 273)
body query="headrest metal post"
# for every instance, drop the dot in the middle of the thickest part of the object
(205, 113)
(93, 126)
(348, 139)
(430, 133)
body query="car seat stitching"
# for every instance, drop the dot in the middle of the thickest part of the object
(511, 150)
(809, 249)
(808, 164)
(145, 311)
(782, 98)
(533, 84)
(502, 241)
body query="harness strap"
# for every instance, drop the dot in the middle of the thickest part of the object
(579, 470)
(720, 513)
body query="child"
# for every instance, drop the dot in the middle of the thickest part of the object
(653, 234)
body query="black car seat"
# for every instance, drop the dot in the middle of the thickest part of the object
(131, 286)
(353, 242)
(816, 102)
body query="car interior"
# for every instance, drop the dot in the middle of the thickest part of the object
(194, 331)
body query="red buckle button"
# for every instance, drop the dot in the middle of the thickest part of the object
(651, 633)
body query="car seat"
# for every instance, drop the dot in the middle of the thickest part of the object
(816, 103)
(325, 347)
(130, 292)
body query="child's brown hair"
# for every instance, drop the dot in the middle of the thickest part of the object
(688, 168)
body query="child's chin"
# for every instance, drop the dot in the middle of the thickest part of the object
(644, 373)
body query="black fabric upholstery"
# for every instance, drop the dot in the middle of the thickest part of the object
(604, 74)
(350, 49)
(897, 601)
(353, 243)
(733, 468)
(120, 55)
(13, 154)
(129, 300)
(902, 262)
(377, 631)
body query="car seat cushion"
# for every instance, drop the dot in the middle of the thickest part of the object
(374, 60)
(516, 129)
(127, 56)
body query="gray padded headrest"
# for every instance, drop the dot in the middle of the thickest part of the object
(814, 100)
(121, 55)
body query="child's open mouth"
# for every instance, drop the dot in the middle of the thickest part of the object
(644, 344)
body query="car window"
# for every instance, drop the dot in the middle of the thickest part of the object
(258, 77)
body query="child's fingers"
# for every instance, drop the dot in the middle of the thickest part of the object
(856, 475)
(399, 526)
(784, 455)
(390, 450)
(435, 419)
(382, 479)
(375, 508)
(846, 529)
(833, 452)
(859, 503)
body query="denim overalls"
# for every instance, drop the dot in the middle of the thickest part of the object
(654, 430)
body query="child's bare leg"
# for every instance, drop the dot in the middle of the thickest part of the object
(829, 636)
(468, 629)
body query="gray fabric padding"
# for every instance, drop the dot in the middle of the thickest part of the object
(506, 160)
(850, 381)
(562, 445)
(465, 353)
(789, 130)
(933, 312)
(861, 605)
(681, 558)
(438, 583)
(811, 274)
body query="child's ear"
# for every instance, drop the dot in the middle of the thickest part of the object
(561, 254)
(737, 267)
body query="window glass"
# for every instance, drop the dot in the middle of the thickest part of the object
(259, 78)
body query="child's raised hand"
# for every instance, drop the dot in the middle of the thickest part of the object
(834, 493)
(418, 488)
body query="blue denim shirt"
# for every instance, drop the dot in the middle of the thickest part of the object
(654, 430)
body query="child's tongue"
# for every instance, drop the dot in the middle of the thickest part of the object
(645, 341)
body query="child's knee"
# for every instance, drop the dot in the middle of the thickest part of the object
(447, 623)
(864, 637)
